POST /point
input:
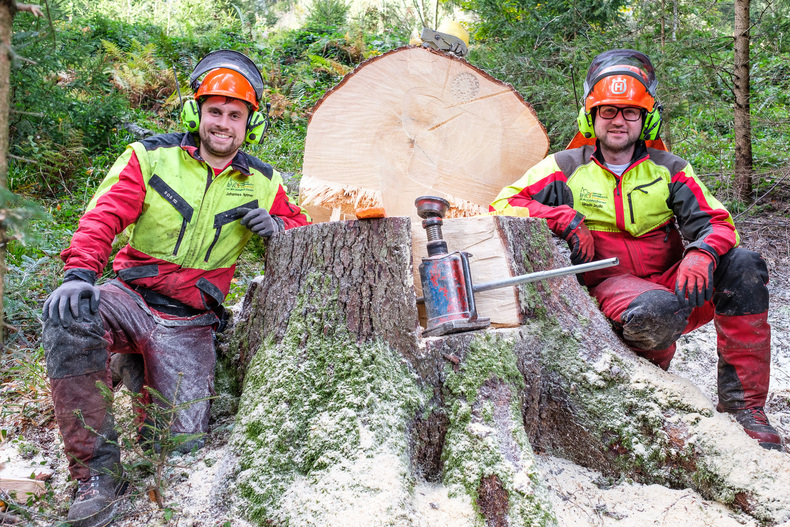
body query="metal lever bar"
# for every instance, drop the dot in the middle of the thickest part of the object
(543, 275)
(540, 275)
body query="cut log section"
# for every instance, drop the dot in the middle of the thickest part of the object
(20, 488)
(416, 122)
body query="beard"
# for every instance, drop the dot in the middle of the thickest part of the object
(217, 148)
(619, 143)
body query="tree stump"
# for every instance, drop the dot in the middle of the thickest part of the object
(348, 416)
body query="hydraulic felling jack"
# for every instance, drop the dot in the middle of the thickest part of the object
(447, 287)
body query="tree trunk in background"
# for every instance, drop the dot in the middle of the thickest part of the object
(7, 10)
(350, 417)
(742, 118)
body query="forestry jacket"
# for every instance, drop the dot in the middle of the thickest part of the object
(630, 217)
(186, 235)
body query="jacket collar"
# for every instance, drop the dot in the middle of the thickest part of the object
(640, 153)
(240, 160)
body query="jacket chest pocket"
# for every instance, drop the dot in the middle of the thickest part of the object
(223, 218)
(177, 201)
(646, 201)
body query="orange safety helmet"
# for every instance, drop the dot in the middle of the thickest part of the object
(228, 83)
(620, 76)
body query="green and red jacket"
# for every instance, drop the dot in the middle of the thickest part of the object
(186, 235)
(631, 217)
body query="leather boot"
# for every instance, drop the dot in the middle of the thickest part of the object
(744, 372)
(756, 425)
(96, 499)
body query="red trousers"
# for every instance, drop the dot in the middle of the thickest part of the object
(646, 313)
(179, 359)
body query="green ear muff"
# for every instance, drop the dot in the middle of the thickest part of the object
(652, 125)
(256, 128)
(257, 124)
(585, 123)
(190, 115)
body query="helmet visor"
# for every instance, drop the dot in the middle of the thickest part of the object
(232, 60)
(627, 62)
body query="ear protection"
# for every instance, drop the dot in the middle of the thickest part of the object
(651, 127)
(257, 123)
(190, 115)
(585, 122)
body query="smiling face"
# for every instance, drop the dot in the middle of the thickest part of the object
(617, 137)
(223, 127)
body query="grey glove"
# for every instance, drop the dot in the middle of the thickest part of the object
(67, 297)
(260, 222)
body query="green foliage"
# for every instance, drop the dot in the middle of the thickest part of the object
(326, 15)
(138, 74)
(530, 24)
(542, 49)
(26, 395)
(63, 109)
(174, 17)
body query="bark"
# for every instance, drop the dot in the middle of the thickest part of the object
(349, 415)
(7, 11)
(742, 114)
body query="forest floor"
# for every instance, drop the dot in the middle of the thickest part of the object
(579, 496)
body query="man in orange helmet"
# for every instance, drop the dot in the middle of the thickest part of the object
(195, 200)
(618, 197)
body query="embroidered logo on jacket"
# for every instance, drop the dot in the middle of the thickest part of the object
(240, 188)
(592, 199)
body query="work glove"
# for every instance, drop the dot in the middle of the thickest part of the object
(64, 303)
(260, 222)
(695, 279)
(582, 245)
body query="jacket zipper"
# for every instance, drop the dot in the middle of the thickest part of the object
(180, 236)
(640, 189)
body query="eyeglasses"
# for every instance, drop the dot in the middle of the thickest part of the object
(610, 112)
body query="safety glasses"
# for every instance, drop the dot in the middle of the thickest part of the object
(610, 112)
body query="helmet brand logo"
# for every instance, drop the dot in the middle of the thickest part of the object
(619, 87)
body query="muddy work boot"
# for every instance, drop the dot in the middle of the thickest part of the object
(95, 501)
(756, 425)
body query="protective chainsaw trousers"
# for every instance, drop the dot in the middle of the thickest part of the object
(649, 318)
(178, 355)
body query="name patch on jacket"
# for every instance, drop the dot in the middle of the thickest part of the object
(240, 188)
(591, 199)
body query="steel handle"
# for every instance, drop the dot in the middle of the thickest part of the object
(543, 275)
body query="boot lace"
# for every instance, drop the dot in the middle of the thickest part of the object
(758, 415)
(87, 488)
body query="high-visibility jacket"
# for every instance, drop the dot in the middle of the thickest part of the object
(631, 217)
(186, 235)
